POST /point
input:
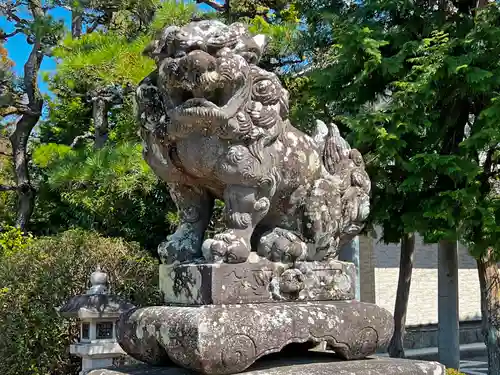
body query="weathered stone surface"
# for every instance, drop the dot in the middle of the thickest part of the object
(225, 339)
(257, 282)
(310, 364)
(215, 125)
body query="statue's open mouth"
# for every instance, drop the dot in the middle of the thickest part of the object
(217, 104)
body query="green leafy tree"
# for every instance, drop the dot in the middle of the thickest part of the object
(110, 190)
(127, 17)
(418, 87)
(100, 69)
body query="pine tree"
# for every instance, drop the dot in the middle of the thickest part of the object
(89, 160)
(42, 32)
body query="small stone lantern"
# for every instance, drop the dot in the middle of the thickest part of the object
(97, 313)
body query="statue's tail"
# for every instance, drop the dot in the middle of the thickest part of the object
(348, 166)
(332, 145)
(336, 149)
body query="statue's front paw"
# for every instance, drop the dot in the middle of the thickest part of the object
(179, 248)
(225, 248)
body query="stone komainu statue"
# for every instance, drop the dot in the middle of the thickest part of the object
(215, 125)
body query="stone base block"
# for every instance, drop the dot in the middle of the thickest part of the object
(227, 339)
(257, 281)
(312, 364)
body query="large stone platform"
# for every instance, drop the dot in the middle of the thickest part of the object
(258, 281)
(310, 364)
(226, 339)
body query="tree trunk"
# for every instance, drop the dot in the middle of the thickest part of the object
(448, 334)
(25, 190)
(100, 116)
(489, 281)
(76, 22)
(20, 136)
(396, 347)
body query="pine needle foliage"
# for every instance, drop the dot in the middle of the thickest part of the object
(107, 57)
(172, 12)
(111, 190)
(103, 58)
(85, 175)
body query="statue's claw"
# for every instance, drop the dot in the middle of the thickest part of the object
(225, 247)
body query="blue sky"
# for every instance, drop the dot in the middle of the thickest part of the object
(19, 49)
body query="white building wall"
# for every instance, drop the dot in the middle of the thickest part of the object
(422, 307)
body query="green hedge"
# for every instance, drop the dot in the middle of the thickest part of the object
(39, 274)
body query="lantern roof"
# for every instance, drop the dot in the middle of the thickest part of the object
(96, 301)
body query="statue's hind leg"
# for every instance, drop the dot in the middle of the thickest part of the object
(245, 208)
(195, 206)
(322, 220)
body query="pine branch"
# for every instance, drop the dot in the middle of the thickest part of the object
(80, 138)
(8, 188)
(213, 4)
(276, 64)
(10, 11)
(4, 36)
(251, 14)
(10, 110)
(94, 25)
(18, 109)
(225, 7)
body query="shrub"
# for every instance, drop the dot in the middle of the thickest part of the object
(37, 278)
(452, 371)
(13, 240)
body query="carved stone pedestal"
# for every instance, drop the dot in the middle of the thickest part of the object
(257, 281)
(220, 319)
(227, 339)
(310, 364)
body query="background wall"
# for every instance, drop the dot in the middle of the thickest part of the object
(379, 265)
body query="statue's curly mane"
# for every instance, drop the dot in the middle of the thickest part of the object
(264, 117)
